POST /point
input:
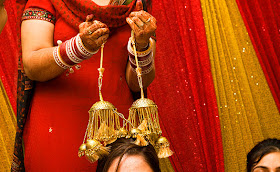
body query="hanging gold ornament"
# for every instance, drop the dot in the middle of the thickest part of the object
(144, 113)
(103, 126)
(163, 148)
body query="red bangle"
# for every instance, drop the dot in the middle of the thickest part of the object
(63, 54)
(71, 52)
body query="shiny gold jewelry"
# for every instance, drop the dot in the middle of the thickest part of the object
(149, 19)
(144, 114)
(103, 125)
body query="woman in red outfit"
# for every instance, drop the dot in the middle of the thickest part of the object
(67, 85)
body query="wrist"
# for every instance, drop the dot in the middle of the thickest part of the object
(71, 52)
(142, 46)
(142, 53)
(145, 58)
(87, 46)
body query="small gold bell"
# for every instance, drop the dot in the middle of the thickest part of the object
(95, 150)
(134, 132)
(152, 137)
(91, 144)
(164, 150)
(82, 150)
(122, 132)
(162, 141)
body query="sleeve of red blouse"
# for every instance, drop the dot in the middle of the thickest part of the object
(40, 10)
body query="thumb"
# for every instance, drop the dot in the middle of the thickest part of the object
(139, 5)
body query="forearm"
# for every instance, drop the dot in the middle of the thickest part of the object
(42, 61)
(40, 65)
(37, 50)
(147, 78)
(3, 17)
(132, 80)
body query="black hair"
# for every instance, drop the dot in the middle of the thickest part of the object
(125, 146)
(260, 150)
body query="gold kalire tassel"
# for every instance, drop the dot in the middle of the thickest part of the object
(103, 126)
(163, 148)
(144, 113)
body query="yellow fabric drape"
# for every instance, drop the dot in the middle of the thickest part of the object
(247, 111)
(165, 165)
(7, 130)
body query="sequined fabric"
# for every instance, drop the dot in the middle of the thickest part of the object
(7, 130)
(209, 77)
(8, 75)
(247, 110)
(183, 88)
(262, 20)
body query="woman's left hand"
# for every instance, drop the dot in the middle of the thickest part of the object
(144, 26)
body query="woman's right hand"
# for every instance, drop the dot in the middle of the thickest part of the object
(93, 33)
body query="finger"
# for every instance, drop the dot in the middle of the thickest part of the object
(100, 23)
(146, 18)
(142, 15)
(139, 5)
(89, 18)
(153, 22)
(82, 25)
(95, 26)
(99, 33)
(132, 25)
(138, 22)
(102, 40)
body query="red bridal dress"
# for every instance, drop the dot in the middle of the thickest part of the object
(58, 117)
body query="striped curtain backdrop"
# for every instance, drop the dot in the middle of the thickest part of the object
(217, 82)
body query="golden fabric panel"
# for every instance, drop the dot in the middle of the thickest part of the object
(247, 111)
(7, 130)
(165, 165)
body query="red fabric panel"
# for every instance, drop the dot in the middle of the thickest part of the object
(183, 88)
(262, 19)
(8, 53)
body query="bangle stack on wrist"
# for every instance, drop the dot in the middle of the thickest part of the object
(145, 58)
(71, 52)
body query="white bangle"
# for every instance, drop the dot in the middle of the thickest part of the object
(58, 59)
(139, 53)
(87, 54)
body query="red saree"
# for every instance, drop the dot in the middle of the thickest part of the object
(59, 110)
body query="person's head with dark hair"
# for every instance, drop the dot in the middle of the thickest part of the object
(127, 156)
(264, 157)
